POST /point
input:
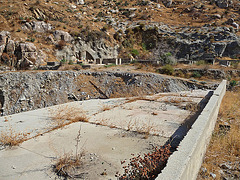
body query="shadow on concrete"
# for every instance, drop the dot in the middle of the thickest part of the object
(182, 131)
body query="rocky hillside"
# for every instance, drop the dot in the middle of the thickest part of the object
(34, 32)
(23, 91)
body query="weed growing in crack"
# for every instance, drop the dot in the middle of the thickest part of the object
(146, 167)
(106, 107)
(11, 138)
(67, 164)
(64, 115)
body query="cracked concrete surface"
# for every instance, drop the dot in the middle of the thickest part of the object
(113, 133)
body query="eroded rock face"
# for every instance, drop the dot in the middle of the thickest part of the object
(79, 49)
(87, 50)
(204, 43)
(23, 91)
(20, 55)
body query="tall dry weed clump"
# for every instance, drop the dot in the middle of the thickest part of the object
(11, 138)
(66, 114)
(225, 143)
(67, 164)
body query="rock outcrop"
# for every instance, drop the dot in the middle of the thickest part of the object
(37, 26)
(201, 43)
(22, 55)
(78, 49)
(23, 91)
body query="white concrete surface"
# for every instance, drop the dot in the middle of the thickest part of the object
(105, 147)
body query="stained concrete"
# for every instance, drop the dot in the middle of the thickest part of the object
(113, 133)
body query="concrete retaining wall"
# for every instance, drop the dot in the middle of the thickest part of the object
(185, 163)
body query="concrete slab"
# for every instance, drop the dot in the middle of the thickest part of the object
(112, 134)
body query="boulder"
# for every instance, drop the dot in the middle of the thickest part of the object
(10, 48)
(38, 13)
(167, 3)
(234, 24)
(78, 2)
(223, 3)
(62, 35)
(27, 55)
(4, 38)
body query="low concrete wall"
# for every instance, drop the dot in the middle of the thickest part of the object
(185, 163)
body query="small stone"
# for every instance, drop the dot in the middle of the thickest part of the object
(213, 175)
(13, 167)
(113, 148)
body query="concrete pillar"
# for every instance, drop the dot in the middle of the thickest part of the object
(116, 61)
(120, 61)
(83, 55)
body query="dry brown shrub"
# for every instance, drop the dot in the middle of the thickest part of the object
(10, 137)
(66, 67)
(67, 164)
(106, 107)
(64, 115)
(61, 44)
(192, 106)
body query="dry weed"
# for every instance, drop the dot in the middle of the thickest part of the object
(148, 166)
(224, 146)
(192, 106)
(106, 107)
(12, 138)
(67, 164)
(64, 115)
(103, 122)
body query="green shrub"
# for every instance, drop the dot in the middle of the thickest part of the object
(201, 62)
(144, 46)
(63, 61)
(233, 83)
(235, 64)
(135, 52)
(167, 58)
(196, 74)
(70, 62)
(109, 65)
(168, 69)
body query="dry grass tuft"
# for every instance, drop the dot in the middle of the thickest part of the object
(64, 115)
(106, 107)
(192, 106)
(12, 138)
(224, 146)
(67, 164)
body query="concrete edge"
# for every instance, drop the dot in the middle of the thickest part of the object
(185, 163)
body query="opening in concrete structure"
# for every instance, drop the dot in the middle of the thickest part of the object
(79, 55)
(1, 102)
(89, 56)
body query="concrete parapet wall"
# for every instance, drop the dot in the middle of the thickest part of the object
(185, 163)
